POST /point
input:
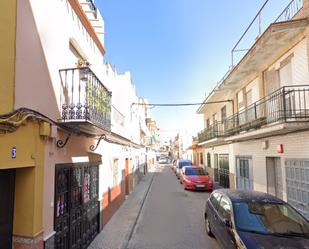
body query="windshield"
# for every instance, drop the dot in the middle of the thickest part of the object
(196, 172)
(269, 218)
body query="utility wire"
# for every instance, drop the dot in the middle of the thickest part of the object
(184, 104)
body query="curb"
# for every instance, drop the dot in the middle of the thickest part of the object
(131, 229)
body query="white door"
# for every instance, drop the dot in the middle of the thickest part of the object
(244, 174)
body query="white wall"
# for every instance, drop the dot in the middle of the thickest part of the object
(299, 62)
(44, 30)
(296, 145)
(222, 149)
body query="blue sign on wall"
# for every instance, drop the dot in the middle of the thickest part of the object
(13, 152)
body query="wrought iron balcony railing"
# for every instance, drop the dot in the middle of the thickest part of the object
(213, 131)
(84, 98)
(287, 104)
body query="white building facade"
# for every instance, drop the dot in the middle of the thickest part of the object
(67, 117)
(256, 122)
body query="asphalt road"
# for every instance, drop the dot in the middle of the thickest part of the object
(171, 217)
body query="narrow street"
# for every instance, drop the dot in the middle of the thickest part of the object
(171, 217)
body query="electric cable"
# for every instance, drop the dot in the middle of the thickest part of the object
(182, 104)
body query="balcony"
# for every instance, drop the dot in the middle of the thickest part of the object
(289, 104)
(85, 102)
(213, 131)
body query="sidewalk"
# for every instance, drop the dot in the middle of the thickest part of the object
(117, 232)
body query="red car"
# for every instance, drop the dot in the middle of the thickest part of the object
(195, 178)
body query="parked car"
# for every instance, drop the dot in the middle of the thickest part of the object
(163, 159)
(181, 163)
(195, 178)
(249, 219)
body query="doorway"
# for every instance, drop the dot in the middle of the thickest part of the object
(7, 191)
(244, 174)
(224, 171)
(127, 191)
(216, 172)
(76, 210)
(274, 176)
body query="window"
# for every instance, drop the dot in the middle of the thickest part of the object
(215, 199)
(224, 209)
(267, 218)
(271, 81)
(214, 118)
(240, 100)
(208, 160)
(285, 72)
(195, 172)
(249, 97)
(223, 113)
(207, 123)
(201, 158)
(244, 168)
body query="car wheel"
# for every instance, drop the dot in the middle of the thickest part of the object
(207, 226)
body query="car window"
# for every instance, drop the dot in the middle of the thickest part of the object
(268, 218)
(196, 172)
(224, 209)
(215, 199)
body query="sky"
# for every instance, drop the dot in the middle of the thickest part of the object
(177, 50)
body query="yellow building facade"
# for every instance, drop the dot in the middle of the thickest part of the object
(21, 151)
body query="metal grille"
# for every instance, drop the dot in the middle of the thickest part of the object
(84, 97)
(76, 205)
(224, 171)
(297, 184)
